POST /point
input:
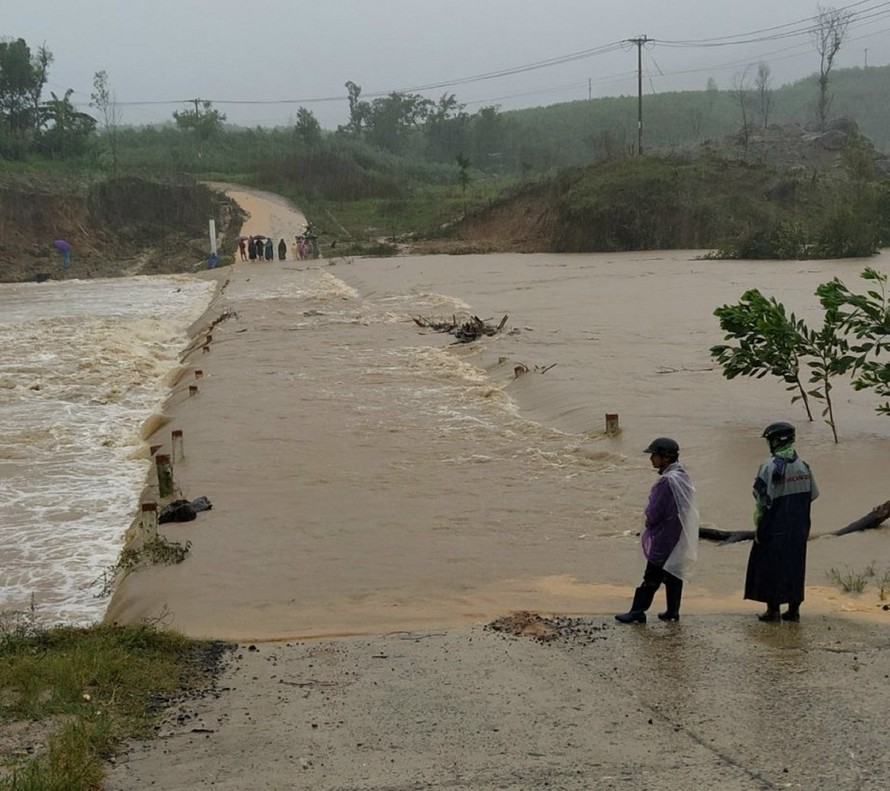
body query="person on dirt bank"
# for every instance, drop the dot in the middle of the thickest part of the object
(282, 250)
(783, 491)
(242, 248)
(670, 540)
(251, 249)
(270, 250)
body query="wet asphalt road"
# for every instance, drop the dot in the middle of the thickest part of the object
(712, 703)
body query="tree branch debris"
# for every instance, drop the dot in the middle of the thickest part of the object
(873, 519)
(463, 331)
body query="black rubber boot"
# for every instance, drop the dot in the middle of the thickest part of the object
(637, 614)
(674, 594)
(792, 614)
(771, 614)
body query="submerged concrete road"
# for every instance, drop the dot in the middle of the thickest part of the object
(712, 703)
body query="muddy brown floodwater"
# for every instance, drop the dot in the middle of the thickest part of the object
(367, 474)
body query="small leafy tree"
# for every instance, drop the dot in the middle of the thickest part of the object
(828, 351)
(768, 342)
(772, 341)
(66, 131)
(867, 318)
(204, 121)
(307, 129)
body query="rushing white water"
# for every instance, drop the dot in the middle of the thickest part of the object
(83, 367)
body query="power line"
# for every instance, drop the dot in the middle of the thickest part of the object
(804, 27)
(756, 36)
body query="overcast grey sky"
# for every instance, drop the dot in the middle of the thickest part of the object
(288, 53)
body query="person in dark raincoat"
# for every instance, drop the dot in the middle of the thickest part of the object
(251, 249)
(670, 540)
(270, 250)
(282, 250)
(783, 490)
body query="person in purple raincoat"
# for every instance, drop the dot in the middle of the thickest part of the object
(670, 540)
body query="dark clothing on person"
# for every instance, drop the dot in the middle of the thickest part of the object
(270, 250)
(282, 250)
(784, 488)
(653, 577)
(251, 250)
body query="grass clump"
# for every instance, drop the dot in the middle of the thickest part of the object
(157, 551)
(85, 690)
(850, 580)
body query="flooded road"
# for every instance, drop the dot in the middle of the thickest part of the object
(368, 474)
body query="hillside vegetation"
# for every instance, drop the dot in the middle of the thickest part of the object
(713, 200)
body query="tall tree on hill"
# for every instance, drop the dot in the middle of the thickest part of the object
(22, 78)
(103, 100)
(764, 92)
(829, 30)
(741, 91)
(359, 110)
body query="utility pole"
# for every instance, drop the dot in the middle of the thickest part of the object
(590, 87)
(196, 107)
(639, 41)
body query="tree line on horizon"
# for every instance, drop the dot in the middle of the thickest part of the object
(412, 127)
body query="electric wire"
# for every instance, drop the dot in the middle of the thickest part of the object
(800, 28)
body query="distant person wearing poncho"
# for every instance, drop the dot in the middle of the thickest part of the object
(783, 490)
(670, 540)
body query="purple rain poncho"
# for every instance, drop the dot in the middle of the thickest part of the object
(670, 539)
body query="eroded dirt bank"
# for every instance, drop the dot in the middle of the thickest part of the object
(123, 226)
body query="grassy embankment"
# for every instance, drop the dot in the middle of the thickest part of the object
(70, 696)
(738, 209)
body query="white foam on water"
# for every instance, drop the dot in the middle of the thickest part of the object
(83, 367)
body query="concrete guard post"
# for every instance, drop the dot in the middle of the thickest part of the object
(177, 444)
(149, 522)
(165, 475)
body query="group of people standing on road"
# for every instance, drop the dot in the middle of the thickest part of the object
(255, 248)
(262, 248)
(783, 490)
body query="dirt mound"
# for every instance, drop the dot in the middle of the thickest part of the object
(125, 226)
(797, 147)
(525, 624)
